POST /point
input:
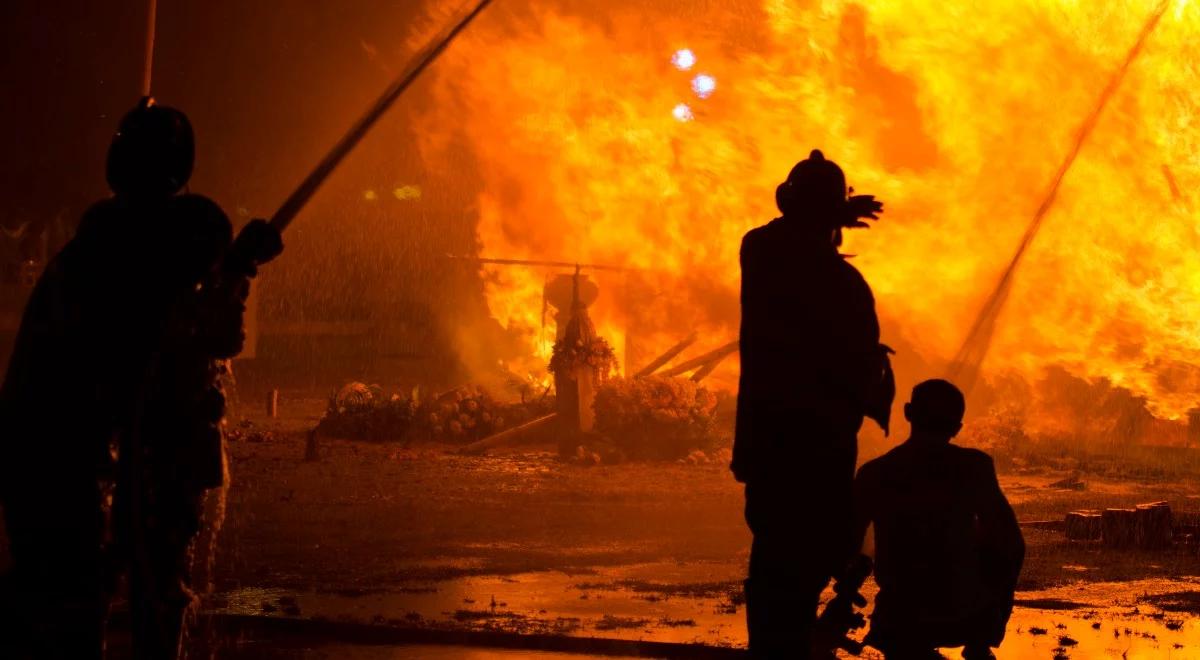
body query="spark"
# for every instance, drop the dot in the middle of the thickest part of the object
(684, 59)
(704, 85)
(683, 113)
(369, 195)
(407, 192)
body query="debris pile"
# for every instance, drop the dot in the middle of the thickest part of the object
(462, 415)
(656, 417)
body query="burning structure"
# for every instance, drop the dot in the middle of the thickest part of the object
(932, 108)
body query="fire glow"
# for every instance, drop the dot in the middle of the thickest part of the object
(956, 118)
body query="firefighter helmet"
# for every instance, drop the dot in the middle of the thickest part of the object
(152, 151)
(815, 186)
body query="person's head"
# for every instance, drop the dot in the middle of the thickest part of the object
(814, 192)
(936, 410)
(152, 152)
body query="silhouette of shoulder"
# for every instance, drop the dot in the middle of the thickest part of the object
(187, 216)
(758, 235)
(777, 242)
(974, 458)
(903, 464)
(901, 455)
(179, 238)
(201, 219)
(973, 465)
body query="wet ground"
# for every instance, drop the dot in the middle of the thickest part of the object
(417, 538)
(700, 604)
(262, 651)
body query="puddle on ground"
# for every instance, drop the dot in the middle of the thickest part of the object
(701, 603)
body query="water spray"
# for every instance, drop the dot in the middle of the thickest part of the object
(964, 370)
(148, 57)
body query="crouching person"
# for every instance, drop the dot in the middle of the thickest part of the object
(948, 549)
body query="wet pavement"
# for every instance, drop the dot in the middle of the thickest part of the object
(699, 603)
(408, 652)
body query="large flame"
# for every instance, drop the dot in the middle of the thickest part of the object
(955, 115)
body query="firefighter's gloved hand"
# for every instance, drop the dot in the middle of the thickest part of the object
(862, 206)
(259, 242)
(839, 613)
(847, 586)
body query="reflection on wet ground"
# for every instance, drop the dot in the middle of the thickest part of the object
(699, 603)
(408, 652)
(691, 603)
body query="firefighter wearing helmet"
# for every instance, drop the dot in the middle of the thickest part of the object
(113, 384)
(812, 369)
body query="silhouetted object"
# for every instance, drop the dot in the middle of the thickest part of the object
(127, 329)
(812, 367)
(1082, 525)
(575, 378)
(948, 549)
(312, 447)
(561, 294)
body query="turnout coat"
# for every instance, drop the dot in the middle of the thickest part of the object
(810, 354)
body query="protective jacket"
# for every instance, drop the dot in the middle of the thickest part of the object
(810, 352)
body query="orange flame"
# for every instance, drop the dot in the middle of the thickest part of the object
(955, 116)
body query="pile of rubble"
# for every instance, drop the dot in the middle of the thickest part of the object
(462, 415)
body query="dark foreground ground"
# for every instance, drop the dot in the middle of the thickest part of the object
(420, 538)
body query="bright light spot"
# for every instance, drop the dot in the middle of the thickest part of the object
(683, 59)
(369, 195)
(704, 85)
(407, 192)
(682, 112)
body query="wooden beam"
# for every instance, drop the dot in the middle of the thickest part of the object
(703, 360)
(660, 361)
(707, 369)
(513, 436)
